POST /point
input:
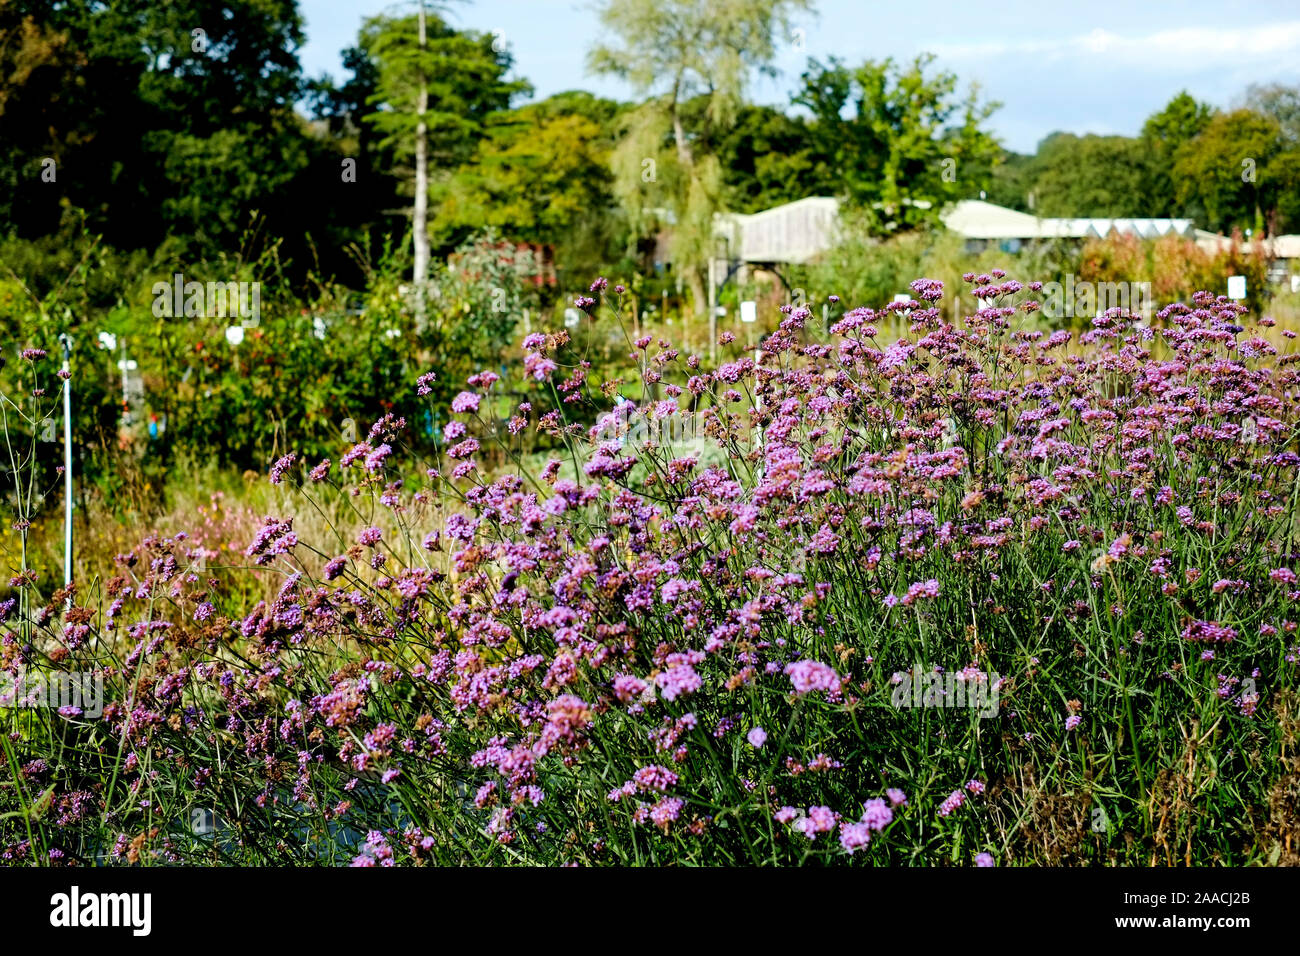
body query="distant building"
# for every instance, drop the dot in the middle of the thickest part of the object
(798, 232)
(984, 223)
(794, 233)
(1283, 253)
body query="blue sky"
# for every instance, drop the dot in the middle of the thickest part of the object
(1101, 66)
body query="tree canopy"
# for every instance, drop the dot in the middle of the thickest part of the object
(186, 132)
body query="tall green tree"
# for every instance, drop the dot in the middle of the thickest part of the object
(1163, 134)
(1279, 101)
(164, 121)
(1089, 176)
(901, 141)
(672, 51)
(1011, 184)
(1224, 173)
(434, 91)
(541, 175)
(766, 157)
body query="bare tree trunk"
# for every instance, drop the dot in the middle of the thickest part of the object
(420, 223)
(684, 153)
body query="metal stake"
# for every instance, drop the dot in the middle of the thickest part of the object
(67, 460)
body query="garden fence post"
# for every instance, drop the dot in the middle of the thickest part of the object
(67, 461)
(758, 360)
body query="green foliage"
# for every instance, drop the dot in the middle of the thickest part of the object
(311, 371)
(1224, 170)
(1011, 181)
(673, 51)
(1163, 135)
(1279, 102)
(542, 174)
(864, 268)
(767, 158)
(1090, 176)
(163, 120)
(481, 294)
(688, 48)
(1224, 173)
(465, 78)
(902, 144)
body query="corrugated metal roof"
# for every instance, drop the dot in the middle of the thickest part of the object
(799, 231)
(1286, 247)
(1275, 247)
(976, 219)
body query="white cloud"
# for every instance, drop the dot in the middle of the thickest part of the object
(1188, 49)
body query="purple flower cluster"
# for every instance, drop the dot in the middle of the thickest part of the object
(581, 660)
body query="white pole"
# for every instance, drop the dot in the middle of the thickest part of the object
(126, 413)
(420, 211)
(713, 312)
(67, 461)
